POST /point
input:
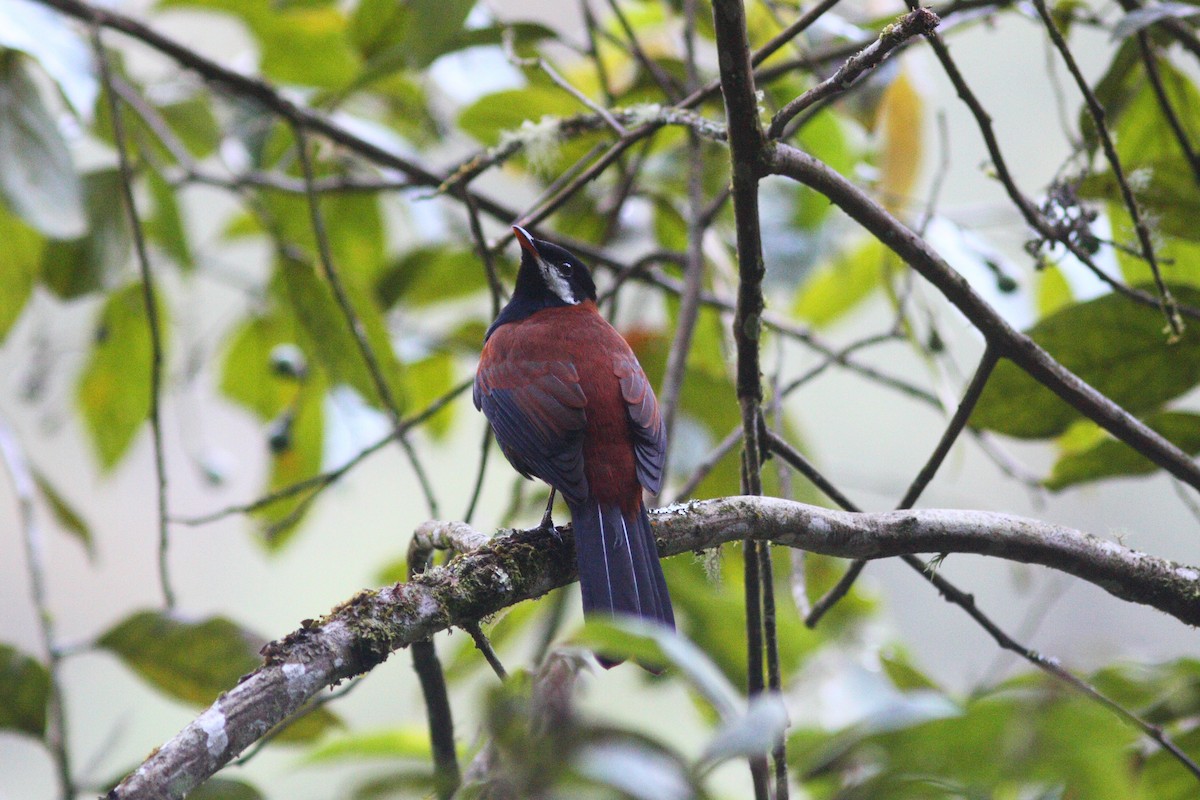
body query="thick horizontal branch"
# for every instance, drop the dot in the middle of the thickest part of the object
(362, 632)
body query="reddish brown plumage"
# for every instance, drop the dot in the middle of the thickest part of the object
(575, 345)
(570, 404)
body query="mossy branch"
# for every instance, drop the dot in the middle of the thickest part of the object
(520, 565)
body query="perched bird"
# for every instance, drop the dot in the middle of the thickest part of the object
(570, 404)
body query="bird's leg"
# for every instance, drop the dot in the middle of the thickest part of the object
(547, 523)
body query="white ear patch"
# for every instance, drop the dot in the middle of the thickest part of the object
(556, 282)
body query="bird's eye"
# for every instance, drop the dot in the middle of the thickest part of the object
(567, 268)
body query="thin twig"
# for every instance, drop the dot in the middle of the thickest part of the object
(702, 470)
(954, 429)
(355, 324)
(495, 286)
(447, 776)
(1051, 666)
(1150, 61)
(319, 482)
(1096, 112)
(660, 76)
(780, 447)
(485, 647)
(485, 449)
(1030, 212)
(915, 23)
(774, 674)
(150, 301)
(25, 489)
(784, 159)
(554, 75)
(957, 423)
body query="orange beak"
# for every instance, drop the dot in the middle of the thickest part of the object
(525, 240)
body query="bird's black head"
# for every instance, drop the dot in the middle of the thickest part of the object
(550, 275)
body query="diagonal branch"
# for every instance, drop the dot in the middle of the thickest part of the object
(361, 633)
(1006, 340)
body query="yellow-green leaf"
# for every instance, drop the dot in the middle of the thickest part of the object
(1110, 458)
(1116, 345)
(114, 389)
(24, 692)
(20, 258)
(836, 287)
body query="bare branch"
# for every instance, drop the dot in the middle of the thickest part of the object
(1010, 343)
(914, 23)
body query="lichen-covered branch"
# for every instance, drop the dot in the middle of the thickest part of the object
(361, 633)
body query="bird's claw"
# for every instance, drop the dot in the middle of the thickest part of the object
(547, 526)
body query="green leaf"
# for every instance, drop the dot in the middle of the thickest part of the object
(296, 440)
(166, 226)
(194, 123)
(37, 177)
(1117, 346)
(1142, 135)
(392, 35)
(509, 111)
(195, 660)
(1110, 458)
(425, 381)
(417, 781)
(114, 389)
(253, 372)
(1165, 189)
(1122, 79)
(308, 727)
(389, 743)
(903, 673)
(353, 223)
(20, 261)
(670, 228)
(75, 267)
(838, 286)
(328, 336)
(749, 733)
(289, 37)
(431, 275)
(635, 770)
(24, 692)
(192, 661)
(824, 137)
(67, 517)
(1035, 736)
(225, 789)
(504, 628)
(1053, 291)
(1142, 18)
(657, 645)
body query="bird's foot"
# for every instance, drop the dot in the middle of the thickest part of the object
(547, 525)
